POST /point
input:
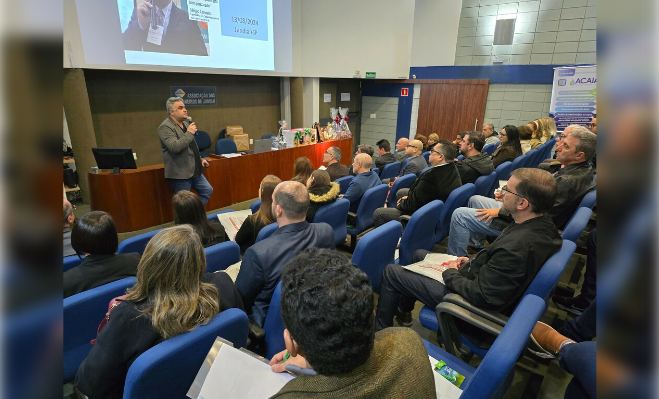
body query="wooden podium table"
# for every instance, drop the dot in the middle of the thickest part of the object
(142, 197)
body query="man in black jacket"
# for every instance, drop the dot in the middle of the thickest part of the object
(498, 276)
(484, 216)
(384, 154)
(475, 164)
(436, 183)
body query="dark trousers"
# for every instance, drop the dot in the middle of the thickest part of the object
(589, 286)
(400, 286)
(579, 360)
(584, 327)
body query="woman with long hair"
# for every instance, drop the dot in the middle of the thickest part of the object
(550, 130)
(525, 135)
(535, 135)
(322, 191)
(172, 296)
(509, 147)
(303, 169)
(246, 236)
(188, 209)
(95, 236)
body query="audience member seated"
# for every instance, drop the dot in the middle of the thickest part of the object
(475, 164)
(246, 236)
(423, 139)
(491, 136)
(331, 157)
(498, 276)
(303, 169)
(95, 236)
(485, 216)
(172, 296)
(415, 164)
(69, 217)
(188, 209)
(384, 154)
(364, 180)
(535, 135)
(525, 135)
(361, 149)
(401, 149)
(458, 140)
(327, 308)
(261, 266)
(435, 184)
(550, 128)
(432, 140)
(509, 147)
(322, 192)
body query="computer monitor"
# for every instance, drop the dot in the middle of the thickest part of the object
(114, 158)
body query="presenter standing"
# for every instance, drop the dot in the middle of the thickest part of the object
(180, 152)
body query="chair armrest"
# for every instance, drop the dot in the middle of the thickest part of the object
(405, 218)
(490, 315)
(448, 331)
(256, 332)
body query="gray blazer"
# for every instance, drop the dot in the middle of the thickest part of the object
(177, 150)
(414, 165)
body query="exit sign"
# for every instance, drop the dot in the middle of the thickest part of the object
(370, 75)
(404, 92)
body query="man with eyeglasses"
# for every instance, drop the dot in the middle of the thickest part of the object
(331, 157)
(592, 126)
(435, 184)
(498, 276)
(414, 163)
(485, 216)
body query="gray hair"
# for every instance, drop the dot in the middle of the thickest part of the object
(365, 149)
(489, 125)
(293, 198)
(587, 140)
(68, 211)
(336, 153)
(169, 105)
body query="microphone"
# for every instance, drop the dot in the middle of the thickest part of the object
(189, 119)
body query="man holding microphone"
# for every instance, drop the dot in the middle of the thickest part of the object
(180, 152)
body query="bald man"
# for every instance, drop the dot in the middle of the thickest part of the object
(401, 146)
(414, 163)
(260, 270)
(363, 180)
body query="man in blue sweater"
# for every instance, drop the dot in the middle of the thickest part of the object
(364, 180)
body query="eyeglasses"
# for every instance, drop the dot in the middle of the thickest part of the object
(436, 152)
(592, 124)
(411, 146)
(505, 188)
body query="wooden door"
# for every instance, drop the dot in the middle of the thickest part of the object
(447, 107)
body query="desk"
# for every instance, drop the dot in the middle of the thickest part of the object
(141, 198)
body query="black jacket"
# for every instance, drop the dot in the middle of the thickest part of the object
(337, 170)
(246, 235)
(320, 196)
(384, 159)
(436, 183)
(96, 270)
(473, 167)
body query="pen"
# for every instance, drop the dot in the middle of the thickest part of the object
(286, 357)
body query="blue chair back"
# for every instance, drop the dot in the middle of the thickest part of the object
(168, 369)
(458, 197)
(372, 199)
(484, 183)
(425, 170)
(376, 249)
(461, 157)
(335, 214)
(390, 170)
(267, 136)
(402, 182)
(517, 163)
(82, 314)
(376, 170)
(426, 155)
(577, 224)
(344, 183)
(588, 201)
(225, 146)
(70, 262)
(503, 173)
(530, 159)
(274, 325)
(266, 231)
(419, 231)
(222, 255)
(203, 140)
(550, 144)
(136, 243)
(256, 205)
(489, 148)
(545, 281)
(213, 216)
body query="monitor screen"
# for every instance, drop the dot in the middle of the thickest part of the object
(114, 158)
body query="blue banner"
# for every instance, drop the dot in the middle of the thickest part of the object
(573, 96)
(194, 96)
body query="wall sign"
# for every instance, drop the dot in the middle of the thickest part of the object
(195, 95)
(573, 96)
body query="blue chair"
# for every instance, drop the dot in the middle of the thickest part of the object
(458, 197)
(461, 157)
(550, 144)
(426, 155)
(222, 255)
(372, 199)
(588, 201)
(213, 216)
(256, 205)
(530, 159)
(503, 173)
(517, 163)
(266, 231)
(203, 142)
(419, 231)
(390, 170)
(168, 369)
(344, 183)
(70, 262)
(335, 214)
(136, 243)
(225, 146)
(274, 325)
(484, 183)
(376, 250)
(489, 148)
(376, 170)
(577, 224)
(425, 170)
(267, 136)
(82, 314)
(496, 371)
(402, 182)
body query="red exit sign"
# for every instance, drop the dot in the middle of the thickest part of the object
(404, 92)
